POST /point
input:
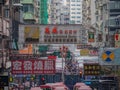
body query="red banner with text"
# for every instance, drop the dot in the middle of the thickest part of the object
(33, 66)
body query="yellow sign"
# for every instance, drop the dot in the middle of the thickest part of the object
(84, 52)
(108, 56)
(27, 50)
(31, 34)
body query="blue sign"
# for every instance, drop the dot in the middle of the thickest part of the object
(87, 82)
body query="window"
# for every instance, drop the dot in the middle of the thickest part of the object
(78, 12)
(78, 4)
(73, 5)
(73, 16)
(6, 13)
(27, 8)
(73, 8)
(78, 17)
(73, 12)
(73, 0)
(78, 21)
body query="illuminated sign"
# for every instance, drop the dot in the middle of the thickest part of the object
(91, 69)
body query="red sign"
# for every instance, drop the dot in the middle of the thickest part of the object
(52, 57)
(33, 66)
(116, 37)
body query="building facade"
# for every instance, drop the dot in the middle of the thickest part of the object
(108, 21)
(75, 11)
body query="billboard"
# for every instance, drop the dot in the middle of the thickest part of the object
(55, 34)
(33, 66)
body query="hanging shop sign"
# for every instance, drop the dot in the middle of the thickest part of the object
(33, 66)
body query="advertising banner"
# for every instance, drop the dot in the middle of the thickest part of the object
(33, 66)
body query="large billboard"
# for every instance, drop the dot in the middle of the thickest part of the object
(33, 66)
(55, 34)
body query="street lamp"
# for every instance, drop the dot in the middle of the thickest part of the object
(63, 51)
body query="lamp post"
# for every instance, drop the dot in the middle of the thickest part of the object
(63, 51)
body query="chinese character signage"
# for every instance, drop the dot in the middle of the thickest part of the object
(33, 66)
(31, 34)
(91, 69)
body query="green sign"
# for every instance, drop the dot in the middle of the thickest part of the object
(43, 48)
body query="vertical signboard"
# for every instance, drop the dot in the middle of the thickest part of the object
(31, 34)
